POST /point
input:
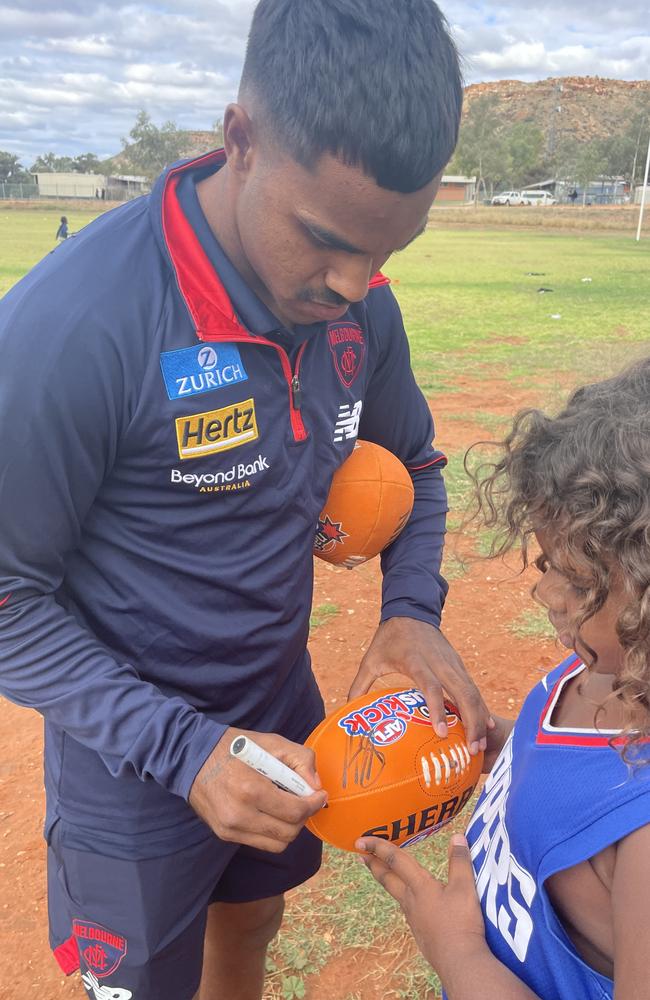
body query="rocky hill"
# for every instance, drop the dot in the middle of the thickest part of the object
(583, 107)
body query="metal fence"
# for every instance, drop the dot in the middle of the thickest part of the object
(18, 190)
(114, 192)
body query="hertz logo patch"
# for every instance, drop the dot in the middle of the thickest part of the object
(217, 430)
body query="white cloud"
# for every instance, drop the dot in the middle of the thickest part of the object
(524, 55)
(74, 73)
(94, 45)
(174, 74)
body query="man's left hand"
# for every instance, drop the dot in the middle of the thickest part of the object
(421, 652)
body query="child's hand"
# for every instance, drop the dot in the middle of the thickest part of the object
(446, 920)
(496, 738)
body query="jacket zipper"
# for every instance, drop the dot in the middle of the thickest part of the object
(292, 376)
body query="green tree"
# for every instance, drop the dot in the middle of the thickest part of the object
(87, 163)
(638, 137)
(525, 145)
(482, 150)
(565, 159)
(589, 165)
(51, 163)
(149, 149)
(617, 155)
(11, 170)
(623, 152)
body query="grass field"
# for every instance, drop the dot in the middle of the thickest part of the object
(474, 312)
(470, 296)
(27, 235)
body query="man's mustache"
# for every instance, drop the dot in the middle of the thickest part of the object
(326, 297)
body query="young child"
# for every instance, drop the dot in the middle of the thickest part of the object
(62, 231)
(549, 896)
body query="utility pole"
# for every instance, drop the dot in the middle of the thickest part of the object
(643, 196)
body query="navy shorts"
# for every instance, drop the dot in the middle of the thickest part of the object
(134, 926)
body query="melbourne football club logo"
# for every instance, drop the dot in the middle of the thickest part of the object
(102, 950)
(348, 347)
(329, 534)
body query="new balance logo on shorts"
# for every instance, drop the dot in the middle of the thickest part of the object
(99, 992)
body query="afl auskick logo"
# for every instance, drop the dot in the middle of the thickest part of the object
(384, 720)
(348, 347)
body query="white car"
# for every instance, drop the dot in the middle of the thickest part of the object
(538, 198)
(508, 198)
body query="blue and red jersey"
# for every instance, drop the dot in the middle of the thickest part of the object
(554, 798)
(166, 450)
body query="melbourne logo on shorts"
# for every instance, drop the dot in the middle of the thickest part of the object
(194, 370)
(102, 950)
(385, 720)
(329, 534)
(347, 423)
(217, 430)
(348, 347)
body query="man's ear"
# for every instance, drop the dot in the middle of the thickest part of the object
(238, 135)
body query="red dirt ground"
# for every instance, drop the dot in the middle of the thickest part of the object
(480, 606)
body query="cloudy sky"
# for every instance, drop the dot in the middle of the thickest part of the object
(74, 73)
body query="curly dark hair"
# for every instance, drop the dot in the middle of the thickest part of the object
(584, 475)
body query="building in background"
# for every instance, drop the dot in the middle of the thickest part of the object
(602, 191)
(456, 190)
(122, 187)
(97, 186)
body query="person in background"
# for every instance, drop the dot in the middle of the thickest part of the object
(62, 231)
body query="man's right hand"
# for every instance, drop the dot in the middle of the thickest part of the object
(242, 806)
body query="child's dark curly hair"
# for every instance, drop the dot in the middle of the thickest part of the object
(584, 476)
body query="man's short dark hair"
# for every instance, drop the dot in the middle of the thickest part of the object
(376, 83)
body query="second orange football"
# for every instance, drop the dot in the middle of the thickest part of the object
(369, 503)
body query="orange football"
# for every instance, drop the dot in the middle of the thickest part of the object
(386, 771)
(370, 501)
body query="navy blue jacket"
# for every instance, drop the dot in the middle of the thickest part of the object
(166, 448)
